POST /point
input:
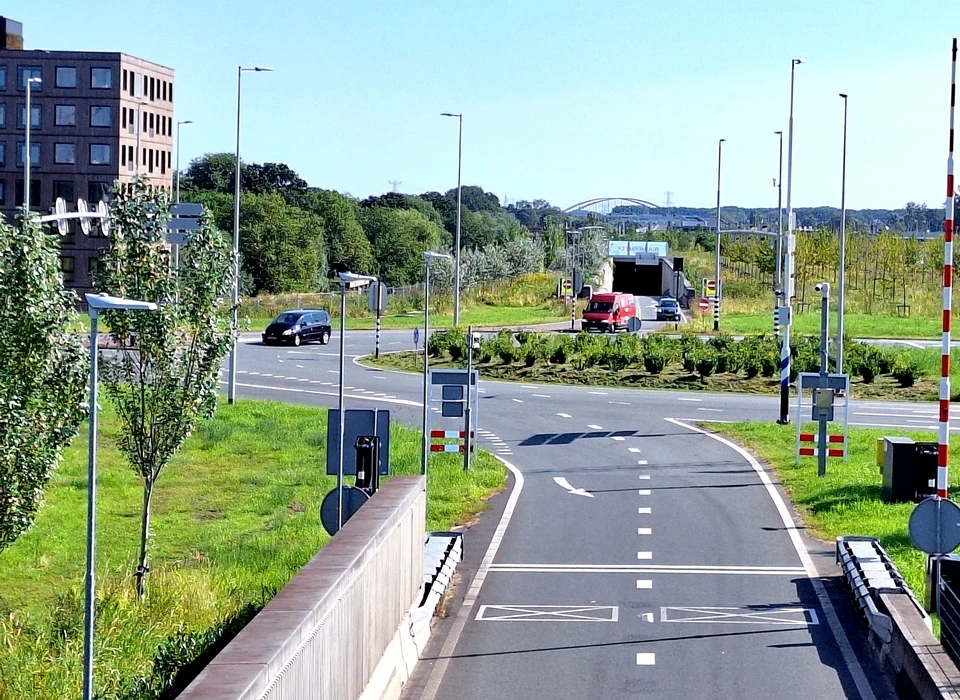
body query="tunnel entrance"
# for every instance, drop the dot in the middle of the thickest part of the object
(639, 280)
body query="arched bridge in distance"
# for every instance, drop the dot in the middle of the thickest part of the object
(605, 205)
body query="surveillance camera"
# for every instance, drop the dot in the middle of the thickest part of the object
(818, 287)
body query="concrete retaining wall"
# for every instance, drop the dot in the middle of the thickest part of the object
(323, 635)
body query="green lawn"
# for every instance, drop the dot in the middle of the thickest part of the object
(855, 325)
(847, 500)
(235, 516)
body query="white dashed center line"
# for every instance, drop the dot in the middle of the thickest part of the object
(644, 511)
(644, 584)
(644, 555)
(686, 399)
(644, 492)
(517, 400)
(644, 476)
(646, 659)
(541, 396)
(642, 462)
(619, 438)
(644, 531)
(565, 415)
(598, 393)
(634, 449)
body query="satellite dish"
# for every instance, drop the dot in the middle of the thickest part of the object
(104, 218)
(60, 209)
(84, 221)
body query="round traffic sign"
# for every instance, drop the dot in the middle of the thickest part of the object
(633, 324)
(932, 517)
(353, 498)
(704, 303)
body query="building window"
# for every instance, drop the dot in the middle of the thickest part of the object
(101, 78)
(34, 192)
(130, 158)
(100, 115)
(66, 77)
(65, 115)
(93, 266)
(163, 162)
(171, 92)
(152, 128)
(150, 161)
(3, 154)
(98, 192)
(153, 85)
(137, 85)
(24, 73)
(126, 80)
(63, 189)
(34, 116)
(67, 263)
(3, 192)
(99, 154)
(3, 116)
(64, 153)
(34, 154)
(3, 77)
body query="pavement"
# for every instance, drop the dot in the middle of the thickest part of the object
(632, 554)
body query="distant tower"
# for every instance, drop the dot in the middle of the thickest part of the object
(395, 184)
(668, 199)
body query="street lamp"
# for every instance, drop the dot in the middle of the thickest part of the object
(179, 124)
(28, 118)
(456, 242)
(788, 282)
(843, 242)
(778, 280)
(716, 261)
(235, 310)
(427, 257)
(347, 279)
(96, 303)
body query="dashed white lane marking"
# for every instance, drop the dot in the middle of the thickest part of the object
(266, 375)
(646, 617)
(303, 380)
(644, 555)
(517, 400)
(644, 531)
(644, 583)
(686, 399)
(541, 396)
(598, 393)
(619, 438)
(252, 373)
(634, 449)
(644, 492)
(642, 462)
(565, 415)
(395, 342)
(299, 366)
(333, 371)
(621, 403)
(377, 376)
(482, 391)
(527, 386)
(644, 511)
(717, 410)
(646, 659)
(645, 476)
(593, 427)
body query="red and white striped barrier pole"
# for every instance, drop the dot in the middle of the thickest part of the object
(943, 449)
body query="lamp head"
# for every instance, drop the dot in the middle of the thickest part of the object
(843, 95)
(259, 69)
(778, 133)
(430, 255)
(797, 61)
(450, 114)
(185, 121)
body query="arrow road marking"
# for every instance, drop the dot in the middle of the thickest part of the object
(562, 482)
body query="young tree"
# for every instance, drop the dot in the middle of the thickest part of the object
(164, 379)
(42, 373)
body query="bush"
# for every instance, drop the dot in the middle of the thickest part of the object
(658, 350)
(560, 350)
(457, 344)
(907, 371)
(705, 361)
(729, 359)
(654, 361)
(437, 343)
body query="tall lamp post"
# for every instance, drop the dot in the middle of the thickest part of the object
(347, 279)
(96, 304)
(456, 242)
(788, 279)
(179, 124)
(778, 278)
(716, 261)
(235, 310)
(27, 119)
(427, 257)
(841, 287)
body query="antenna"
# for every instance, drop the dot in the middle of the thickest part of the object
(668, 199)
(395, 184)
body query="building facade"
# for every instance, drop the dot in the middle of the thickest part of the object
(95, 118)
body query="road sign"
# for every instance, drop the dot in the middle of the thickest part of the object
(353, 498)
(633, 324)
(711, 288)
(377, 297)
(934, 526)
(416, 337)
(704, 303)
(567, 287)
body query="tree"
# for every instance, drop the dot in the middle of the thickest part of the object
(164, 379)
(42, 373)
(211, 171)
(346, 243)
(399, 238)
(396, 200)
(474, 198)
(280, 246)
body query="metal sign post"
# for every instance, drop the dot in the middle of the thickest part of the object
(821, 394)
(468, 412)
(186, 218)
(377, 303)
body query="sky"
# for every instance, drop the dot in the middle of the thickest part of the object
(563, 100)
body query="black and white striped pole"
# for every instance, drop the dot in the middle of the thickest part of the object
(716, 261)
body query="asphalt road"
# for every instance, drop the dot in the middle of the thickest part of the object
(635, 556)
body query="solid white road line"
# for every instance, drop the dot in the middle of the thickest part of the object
(450, 643)
(644, 583)
(646, 659)
(399, 402)
(598, 393)
(648, 568)
(849, 657)
(688, 399)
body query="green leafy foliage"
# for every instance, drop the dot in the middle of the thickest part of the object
(42, 373)
(164, 380)
(907, 371)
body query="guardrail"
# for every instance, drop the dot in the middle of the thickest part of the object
(323, 635)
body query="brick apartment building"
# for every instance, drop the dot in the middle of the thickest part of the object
(83, 133)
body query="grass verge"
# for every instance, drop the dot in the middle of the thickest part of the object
(856, 325)
(235, 516)
(847, 500)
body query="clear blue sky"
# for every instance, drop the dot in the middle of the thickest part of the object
(563, 99)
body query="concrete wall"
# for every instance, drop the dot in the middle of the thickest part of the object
(323, 635)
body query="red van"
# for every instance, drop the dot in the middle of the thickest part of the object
(608, 312)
